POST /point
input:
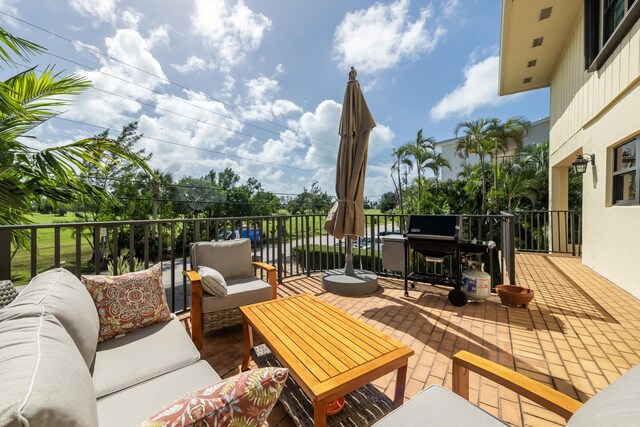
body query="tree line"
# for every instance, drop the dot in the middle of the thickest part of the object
(496, 182)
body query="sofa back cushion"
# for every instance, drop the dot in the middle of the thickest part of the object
(44, 378)
(232, 258)
(64, 296)
(616, 405)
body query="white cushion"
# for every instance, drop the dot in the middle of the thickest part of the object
(212, 281)
(43, 377)
(64, 296)
(231, 258)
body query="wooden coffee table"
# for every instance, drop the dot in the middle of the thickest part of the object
(328, 352)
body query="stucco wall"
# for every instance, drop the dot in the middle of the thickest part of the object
(592, 113)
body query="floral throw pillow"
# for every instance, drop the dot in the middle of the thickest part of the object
(243, 400)
(212, 281)
(128, 302)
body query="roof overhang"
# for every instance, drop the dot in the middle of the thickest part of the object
(521, 25)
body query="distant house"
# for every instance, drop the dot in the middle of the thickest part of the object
(539, 133)
(588, 53)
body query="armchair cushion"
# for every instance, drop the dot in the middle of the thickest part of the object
(245, 399)
(437, 406)
(232, 258)
(616, 405)
(212, 281)
(241, 291)
(128, 302)
(64, 296)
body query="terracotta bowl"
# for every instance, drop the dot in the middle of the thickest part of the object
(335, 406)
(514, 295)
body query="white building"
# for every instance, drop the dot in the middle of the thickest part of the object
(539, 133)
(588, 53)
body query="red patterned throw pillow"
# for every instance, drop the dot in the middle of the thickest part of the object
(128, 302)
(243, 400)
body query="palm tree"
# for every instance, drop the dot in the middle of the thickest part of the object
(421, 150)
(28, 177)
(476, 139)
(512, 130)
(438, 162)
(399, 155)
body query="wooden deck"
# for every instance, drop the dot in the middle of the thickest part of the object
(579, 334)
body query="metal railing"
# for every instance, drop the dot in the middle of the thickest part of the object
(295, 244)
(548, 231)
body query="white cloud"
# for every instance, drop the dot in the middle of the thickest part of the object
(230, 31)
(158, 36)
(379, 37)
(278, 70)
(193, 64)
(479, 89)
(284, 107)
(100, 106)
(10, 7)
(450, 8)
(261, 92)
(101, 10)
(131, 18)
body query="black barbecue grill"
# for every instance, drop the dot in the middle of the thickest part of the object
(436, 237)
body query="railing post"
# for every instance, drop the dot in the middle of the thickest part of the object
(508, 247)
(5, 254)
(280, 254)
(573, 239)
(373, 243)
(306, 252)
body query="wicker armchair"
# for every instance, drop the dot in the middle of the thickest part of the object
(233, 260)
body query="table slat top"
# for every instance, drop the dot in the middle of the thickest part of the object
(325, 347)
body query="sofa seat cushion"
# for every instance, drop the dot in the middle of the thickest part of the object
(437, 406)
(231, 258)
(616, 405)
(141, 355)
(133, 405)
(240, 291)
(245, 399)
(66, 298)
(44, 379)
(128, 302)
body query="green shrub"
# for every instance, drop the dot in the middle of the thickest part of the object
(330, 257)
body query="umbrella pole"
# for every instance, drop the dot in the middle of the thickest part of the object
(348, 258)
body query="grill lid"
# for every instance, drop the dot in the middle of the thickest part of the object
(434, 227)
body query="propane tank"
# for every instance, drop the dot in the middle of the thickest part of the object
(476, 283)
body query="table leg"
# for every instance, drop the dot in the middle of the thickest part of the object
(247, 335)
(400, 384)
(319, 414)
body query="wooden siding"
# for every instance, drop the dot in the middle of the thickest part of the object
(577, 96)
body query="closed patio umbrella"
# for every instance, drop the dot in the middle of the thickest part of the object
(346, 217)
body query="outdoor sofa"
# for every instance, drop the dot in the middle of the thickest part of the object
(54, 372)
(616, 405)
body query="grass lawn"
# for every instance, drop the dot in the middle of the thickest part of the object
(21, 262)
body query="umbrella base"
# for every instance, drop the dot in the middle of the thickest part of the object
(363, 282)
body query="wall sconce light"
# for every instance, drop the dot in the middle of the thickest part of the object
(580, 163)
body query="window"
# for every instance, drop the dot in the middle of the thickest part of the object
(626, 173)
(605, 23)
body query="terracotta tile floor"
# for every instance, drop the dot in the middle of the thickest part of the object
(579, 334)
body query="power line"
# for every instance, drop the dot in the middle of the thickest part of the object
(98, 52)
(173, 185)
(183, 101)
(200, 149)
(198, 120)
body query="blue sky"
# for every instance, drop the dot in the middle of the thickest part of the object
(257, 85)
